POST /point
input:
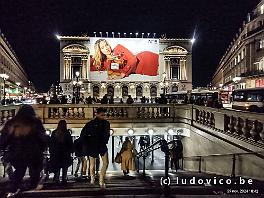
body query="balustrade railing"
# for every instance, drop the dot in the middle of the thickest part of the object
(242, 125)
(114, 112)
(7, 112)
(236, 123)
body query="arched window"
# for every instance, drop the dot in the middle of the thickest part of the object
(124, 91)
(153, 91)
(139, 91)
(95, 91)
(110, 91)
(174, 88)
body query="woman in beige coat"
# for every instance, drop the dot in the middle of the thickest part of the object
(128, 154)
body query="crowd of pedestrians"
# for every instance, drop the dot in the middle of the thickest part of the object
(24, 140)
(105, 100)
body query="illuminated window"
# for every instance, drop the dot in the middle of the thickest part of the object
(238, 58)
(242, 54)
(260, 65)
(261, 44)
(262, 9)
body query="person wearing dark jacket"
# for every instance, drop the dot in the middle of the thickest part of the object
(25, 140)
(104, 100)
(130, 100)
(95, 136)
(111, 100)
(176, 153)
(78, 146)
(61, 147)
(64, 100)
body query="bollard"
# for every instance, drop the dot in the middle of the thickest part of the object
(200, 164)
(137, 164)
(233, 166)
(144, 164)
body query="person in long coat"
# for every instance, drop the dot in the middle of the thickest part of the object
(176, 153)
(25, 140)
(128, 154)
(61, 147)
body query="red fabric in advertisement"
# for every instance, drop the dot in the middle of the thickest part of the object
(144, 63)
(260, 83)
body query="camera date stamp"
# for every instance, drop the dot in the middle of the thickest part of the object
(242, 191)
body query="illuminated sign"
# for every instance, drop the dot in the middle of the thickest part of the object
(124, 59)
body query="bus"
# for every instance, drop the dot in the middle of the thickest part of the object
(204, 95)
(248, 99)
(177, 97)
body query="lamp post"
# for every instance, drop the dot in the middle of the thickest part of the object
(76, 87)
(165, 84)
(5, 77)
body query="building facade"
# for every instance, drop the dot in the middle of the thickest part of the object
(242, 66)
(172, 62)
(17, 78)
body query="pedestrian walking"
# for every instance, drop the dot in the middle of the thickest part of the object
(95, 135)
(61, 147)
(26, 141)
(128, 154)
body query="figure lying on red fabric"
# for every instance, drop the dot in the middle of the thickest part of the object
(120, 62)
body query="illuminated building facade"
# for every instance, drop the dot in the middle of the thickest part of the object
(242, 66)
(144, 67)
(13, 76)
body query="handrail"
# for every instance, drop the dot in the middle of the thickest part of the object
(226, 154)
(146, 149)
(164, 146)
(233, 173)
(140, 154)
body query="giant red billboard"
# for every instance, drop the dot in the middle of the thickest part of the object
(124, 59)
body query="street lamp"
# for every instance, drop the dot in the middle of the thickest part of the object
(5, 77)
(130, 131)
(76, 87)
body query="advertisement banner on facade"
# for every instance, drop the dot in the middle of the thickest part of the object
(124, 59)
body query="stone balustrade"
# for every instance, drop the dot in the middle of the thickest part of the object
(115, 112)
(236, 123)
(241, 124)
(7, 112)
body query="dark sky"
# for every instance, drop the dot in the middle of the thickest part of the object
(30, 27)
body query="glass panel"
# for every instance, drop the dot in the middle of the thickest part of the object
(239, 97)
(254, 97)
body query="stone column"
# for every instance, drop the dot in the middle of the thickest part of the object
(67, 62)
(167, 68)
(69, 67)
(183, 68)
(117, 91)
(65, 76)
(146, 91)
(84, 67)
(88, 68)
(132, 90)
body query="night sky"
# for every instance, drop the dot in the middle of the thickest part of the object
(30, 27)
